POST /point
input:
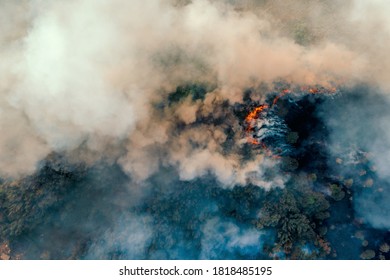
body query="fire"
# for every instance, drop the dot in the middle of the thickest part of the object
(284, 92)
(254, 114)
(307, 89)
(319, 90)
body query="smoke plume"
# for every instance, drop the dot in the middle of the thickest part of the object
(157, 92)
(88, 72)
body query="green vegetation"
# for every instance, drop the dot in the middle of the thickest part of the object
(23, 203)
(297, 214)
(337, 192)
(196, 91)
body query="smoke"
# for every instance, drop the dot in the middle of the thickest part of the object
(130, 237)
(222, 238)
(158, 91)
(359, 136)
(87, 72)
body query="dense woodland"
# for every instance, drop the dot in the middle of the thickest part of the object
(69, 210)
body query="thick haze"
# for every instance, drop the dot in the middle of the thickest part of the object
(87, 75)
(130, 118)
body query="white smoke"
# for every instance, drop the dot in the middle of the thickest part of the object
(224, 238)
(130, 237)
(89, 72)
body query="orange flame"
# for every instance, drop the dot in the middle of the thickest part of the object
(284, 92)
(254, 114)
(319, 90)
